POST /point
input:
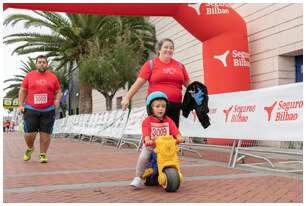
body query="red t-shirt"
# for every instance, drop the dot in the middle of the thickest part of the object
(167, 78)
(7, 124)
(41, 88)
(153, 128)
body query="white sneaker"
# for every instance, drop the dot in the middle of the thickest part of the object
(136, 182)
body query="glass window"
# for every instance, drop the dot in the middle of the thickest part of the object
(299, 68)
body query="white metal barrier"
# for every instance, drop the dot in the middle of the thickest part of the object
(132, 131)
(105, 125)
(274, 113)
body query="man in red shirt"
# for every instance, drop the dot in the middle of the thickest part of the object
(39, 96)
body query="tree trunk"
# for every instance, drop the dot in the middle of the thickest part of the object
(109, 101)
(85, 102)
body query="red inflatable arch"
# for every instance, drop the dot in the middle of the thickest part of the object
(220, 29)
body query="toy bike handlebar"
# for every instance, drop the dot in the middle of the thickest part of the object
(153, 144)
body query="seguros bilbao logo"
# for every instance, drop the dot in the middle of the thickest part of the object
(239, 58)
(238, 113)
(217, 8)
(212, 8)
(283, 110)
(196, 7)
(226, 112)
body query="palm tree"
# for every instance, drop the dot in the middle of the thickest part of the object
(139, 32)
(67, 43)
(12, 93)
(71, 37)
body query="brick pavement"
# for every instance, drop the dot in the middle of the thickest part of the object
(83, 172)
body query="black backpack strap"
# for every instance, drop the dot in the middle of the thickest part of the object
(151, 65)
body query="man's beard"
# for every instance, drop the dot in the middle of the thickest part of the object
(42, 70)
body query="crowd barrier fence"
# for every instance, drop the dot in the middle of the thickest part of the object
(270, 114)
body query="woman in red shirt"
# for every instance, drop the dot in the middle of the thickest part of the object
(164, 74)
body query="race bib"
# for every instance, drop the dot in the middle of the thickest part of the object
(159, 129)
(40, 98)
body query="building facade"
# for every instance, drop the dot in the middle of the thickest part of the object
(275, 35)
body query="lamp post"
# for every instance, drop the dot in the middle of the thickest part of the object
(69, 93)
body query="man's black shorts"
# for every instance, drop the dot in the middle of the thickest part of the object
(37, 121)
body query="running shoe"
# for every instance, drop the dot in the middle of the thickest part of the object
(43, 158)
(27, 154)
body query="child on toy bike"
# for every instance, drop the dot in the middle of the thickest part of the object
(156, 124)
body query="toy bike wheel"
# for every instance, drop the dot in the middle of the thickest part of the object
(151, 182)
(172, 180)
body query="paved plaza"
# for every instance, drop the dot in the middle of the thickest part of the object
(91, 172)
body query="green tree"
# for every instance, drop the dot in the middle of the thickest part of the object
(67, 43)
(71, 37)
(111, 71)
(113, 63)
(12, 93)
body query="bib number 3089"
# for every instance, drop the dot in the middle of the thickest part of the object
(40, 98)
